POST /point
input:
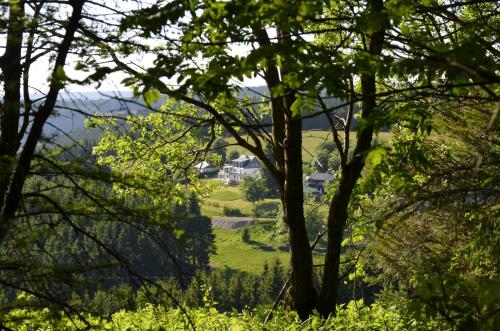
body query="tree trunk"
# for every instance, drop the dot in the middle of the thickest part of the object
(14, 193)
(303, 292)
(337, 216)
(287, 145)
(337, 219)
(10, 64)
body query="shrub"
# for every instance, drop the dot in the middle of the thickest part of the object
(353, 316)
(245, 235)
(227, 211)
(267, 209)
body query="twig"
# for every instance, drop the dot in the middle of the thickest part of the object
(278, 298)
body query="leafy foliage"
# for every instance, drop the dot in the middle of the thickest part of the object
(254, 189)
(83, 237)
(354, 316)
(438, 232)
(157, 152)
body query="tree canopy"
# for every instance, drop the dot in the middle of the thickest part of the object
(419, 68)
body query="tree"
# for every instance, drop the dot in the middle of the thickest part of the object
(361, 54)
(436, 218)
(233, 155)
(36, 31)
(282, 62)
(326, 158)
(50, 192)
(277, 277)
(253, 188)
(15, 156)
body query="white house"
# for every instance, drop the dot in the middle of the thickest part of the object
(245, 165)
(205, 169)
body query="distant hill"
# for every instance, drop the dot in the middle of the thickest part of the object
(72, 109)
(69, 114)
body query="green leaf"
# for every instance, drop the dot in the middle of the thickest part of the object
(296, 107)
(151, 96)
(376, 156)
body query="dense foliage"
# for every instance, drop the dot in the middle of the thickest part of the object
(108, 232)
(354, 316)
(84, 237)
(441, 241)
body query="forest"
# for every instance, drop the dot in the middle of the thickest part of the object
(249, 165)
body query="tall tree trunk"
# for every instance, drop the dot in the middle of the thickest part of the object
(10, 64)
(337, 216)
(14, 194)
(303, 292)
(287, 145)
(337, 219)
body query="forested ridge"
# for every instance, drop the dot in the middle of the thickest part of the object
(261, 165)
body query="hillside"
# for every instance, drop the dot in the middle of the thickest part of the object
(72, 109)
(312, 139)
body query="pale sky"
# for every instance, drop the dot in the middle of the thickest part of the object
(40, 70)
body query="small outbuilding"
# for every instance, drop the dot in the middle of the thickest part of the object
(316, 182)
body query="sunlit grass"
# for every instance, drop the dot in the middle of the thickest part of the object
(233, 253)
(228, 196)
(311, 140)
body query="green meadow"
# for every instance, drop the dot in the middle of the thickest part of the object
(311, 140)
(233, 253)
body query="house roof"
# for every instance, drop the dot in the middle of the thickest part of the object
(321, 176)
(243, 158)
(203, 165)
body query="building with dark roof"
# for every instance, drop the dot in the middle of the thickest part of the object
(316, 182)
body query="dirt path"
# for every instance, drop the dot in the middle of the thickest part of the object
(231, 222)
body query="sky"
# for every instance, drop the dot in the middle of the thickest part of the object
(41, 70)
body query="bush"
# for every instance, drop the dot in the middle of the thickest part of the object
(354, 316)
(267, 209)
(245, 235)
(227, 211)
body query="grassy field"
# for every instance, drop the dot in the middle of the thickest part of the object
(311, 140)
(228, 196)
(232, 252)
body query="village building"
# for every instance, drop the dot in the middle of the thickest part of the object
(316, 182)
(244, 165)
(205, 169)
